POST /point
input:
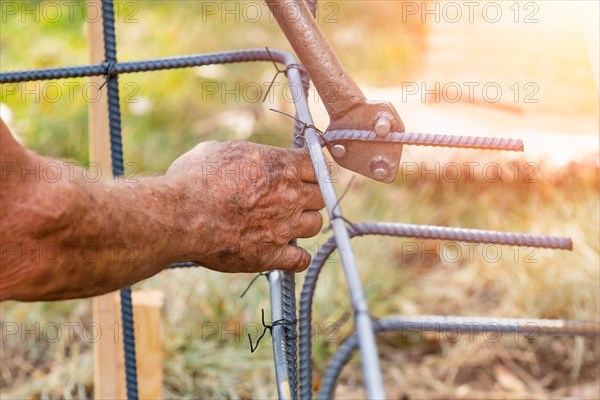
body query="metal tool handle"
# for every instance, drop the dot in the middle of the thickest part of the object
(344, 101)
(333, 83)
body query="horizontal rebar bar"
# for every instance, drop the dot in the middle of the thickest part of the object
(493, 327)
(427, 139)
(449, 233)
(401, 230)
(462, 235)
(157, 64)
(189, 264)
(528, 326)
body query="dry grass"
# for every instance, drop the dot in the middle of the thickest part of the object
(555, 284)
(545, 284)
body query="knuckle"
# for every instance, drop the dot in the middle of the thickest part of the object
(278, 257)
(292, 171)
(288, 196)
(288, 232)
(273, 237)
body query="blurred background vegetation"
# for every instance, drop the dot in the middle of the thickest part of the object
(166, 113)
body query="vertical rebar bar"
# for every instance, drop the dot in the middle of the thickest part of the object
(278, 334)
(289, 280)
(116, 151)
(364, 327)
(288, 284)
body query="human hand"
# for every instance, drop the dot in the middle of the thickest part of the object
(244, 203)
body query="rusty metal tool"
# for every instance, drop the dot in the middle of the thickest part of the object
(346, 104)
(364, 136)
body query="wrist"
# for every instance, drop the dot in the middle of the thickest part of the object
(182, 219)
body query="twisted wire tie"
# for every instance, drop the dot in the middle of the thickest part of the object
(252, 282)
(305, 126)
(270, 327)
(109, 67)
(279, 71)
(336, 212)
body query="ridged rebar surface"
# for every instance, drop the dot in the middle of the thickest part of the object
(196, 60)
(129, 343)
(116, 151)
(188, 264)
(468, 325)
(289, 280)
(463, 235)
(400, 230)
(305, 317)
(288, 283)
(426, 139)
(114, 110)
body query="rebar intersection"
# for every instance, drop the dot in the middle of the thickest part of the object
(282, 283)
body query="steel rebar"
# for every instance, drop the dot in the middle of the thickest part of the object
(399, 230)
(278, 334)
(426, 139)
(371, 369)
(413, 324)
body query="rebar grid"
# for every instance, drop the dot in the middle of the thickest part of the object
(399, 230)
(282, 284)
(285, 332)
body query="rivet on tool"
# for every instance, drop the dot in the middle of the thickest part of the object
(383, 125)
(380, 168)
(338, 150)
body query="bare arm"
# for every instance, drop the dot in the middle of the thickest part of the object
(231, 207)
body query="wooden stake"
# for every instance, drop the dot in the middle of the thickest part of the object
(109, 363)
(147, 308)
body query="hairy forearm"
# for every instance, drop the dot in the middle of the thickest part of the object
(71, 238)
(231, 207)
